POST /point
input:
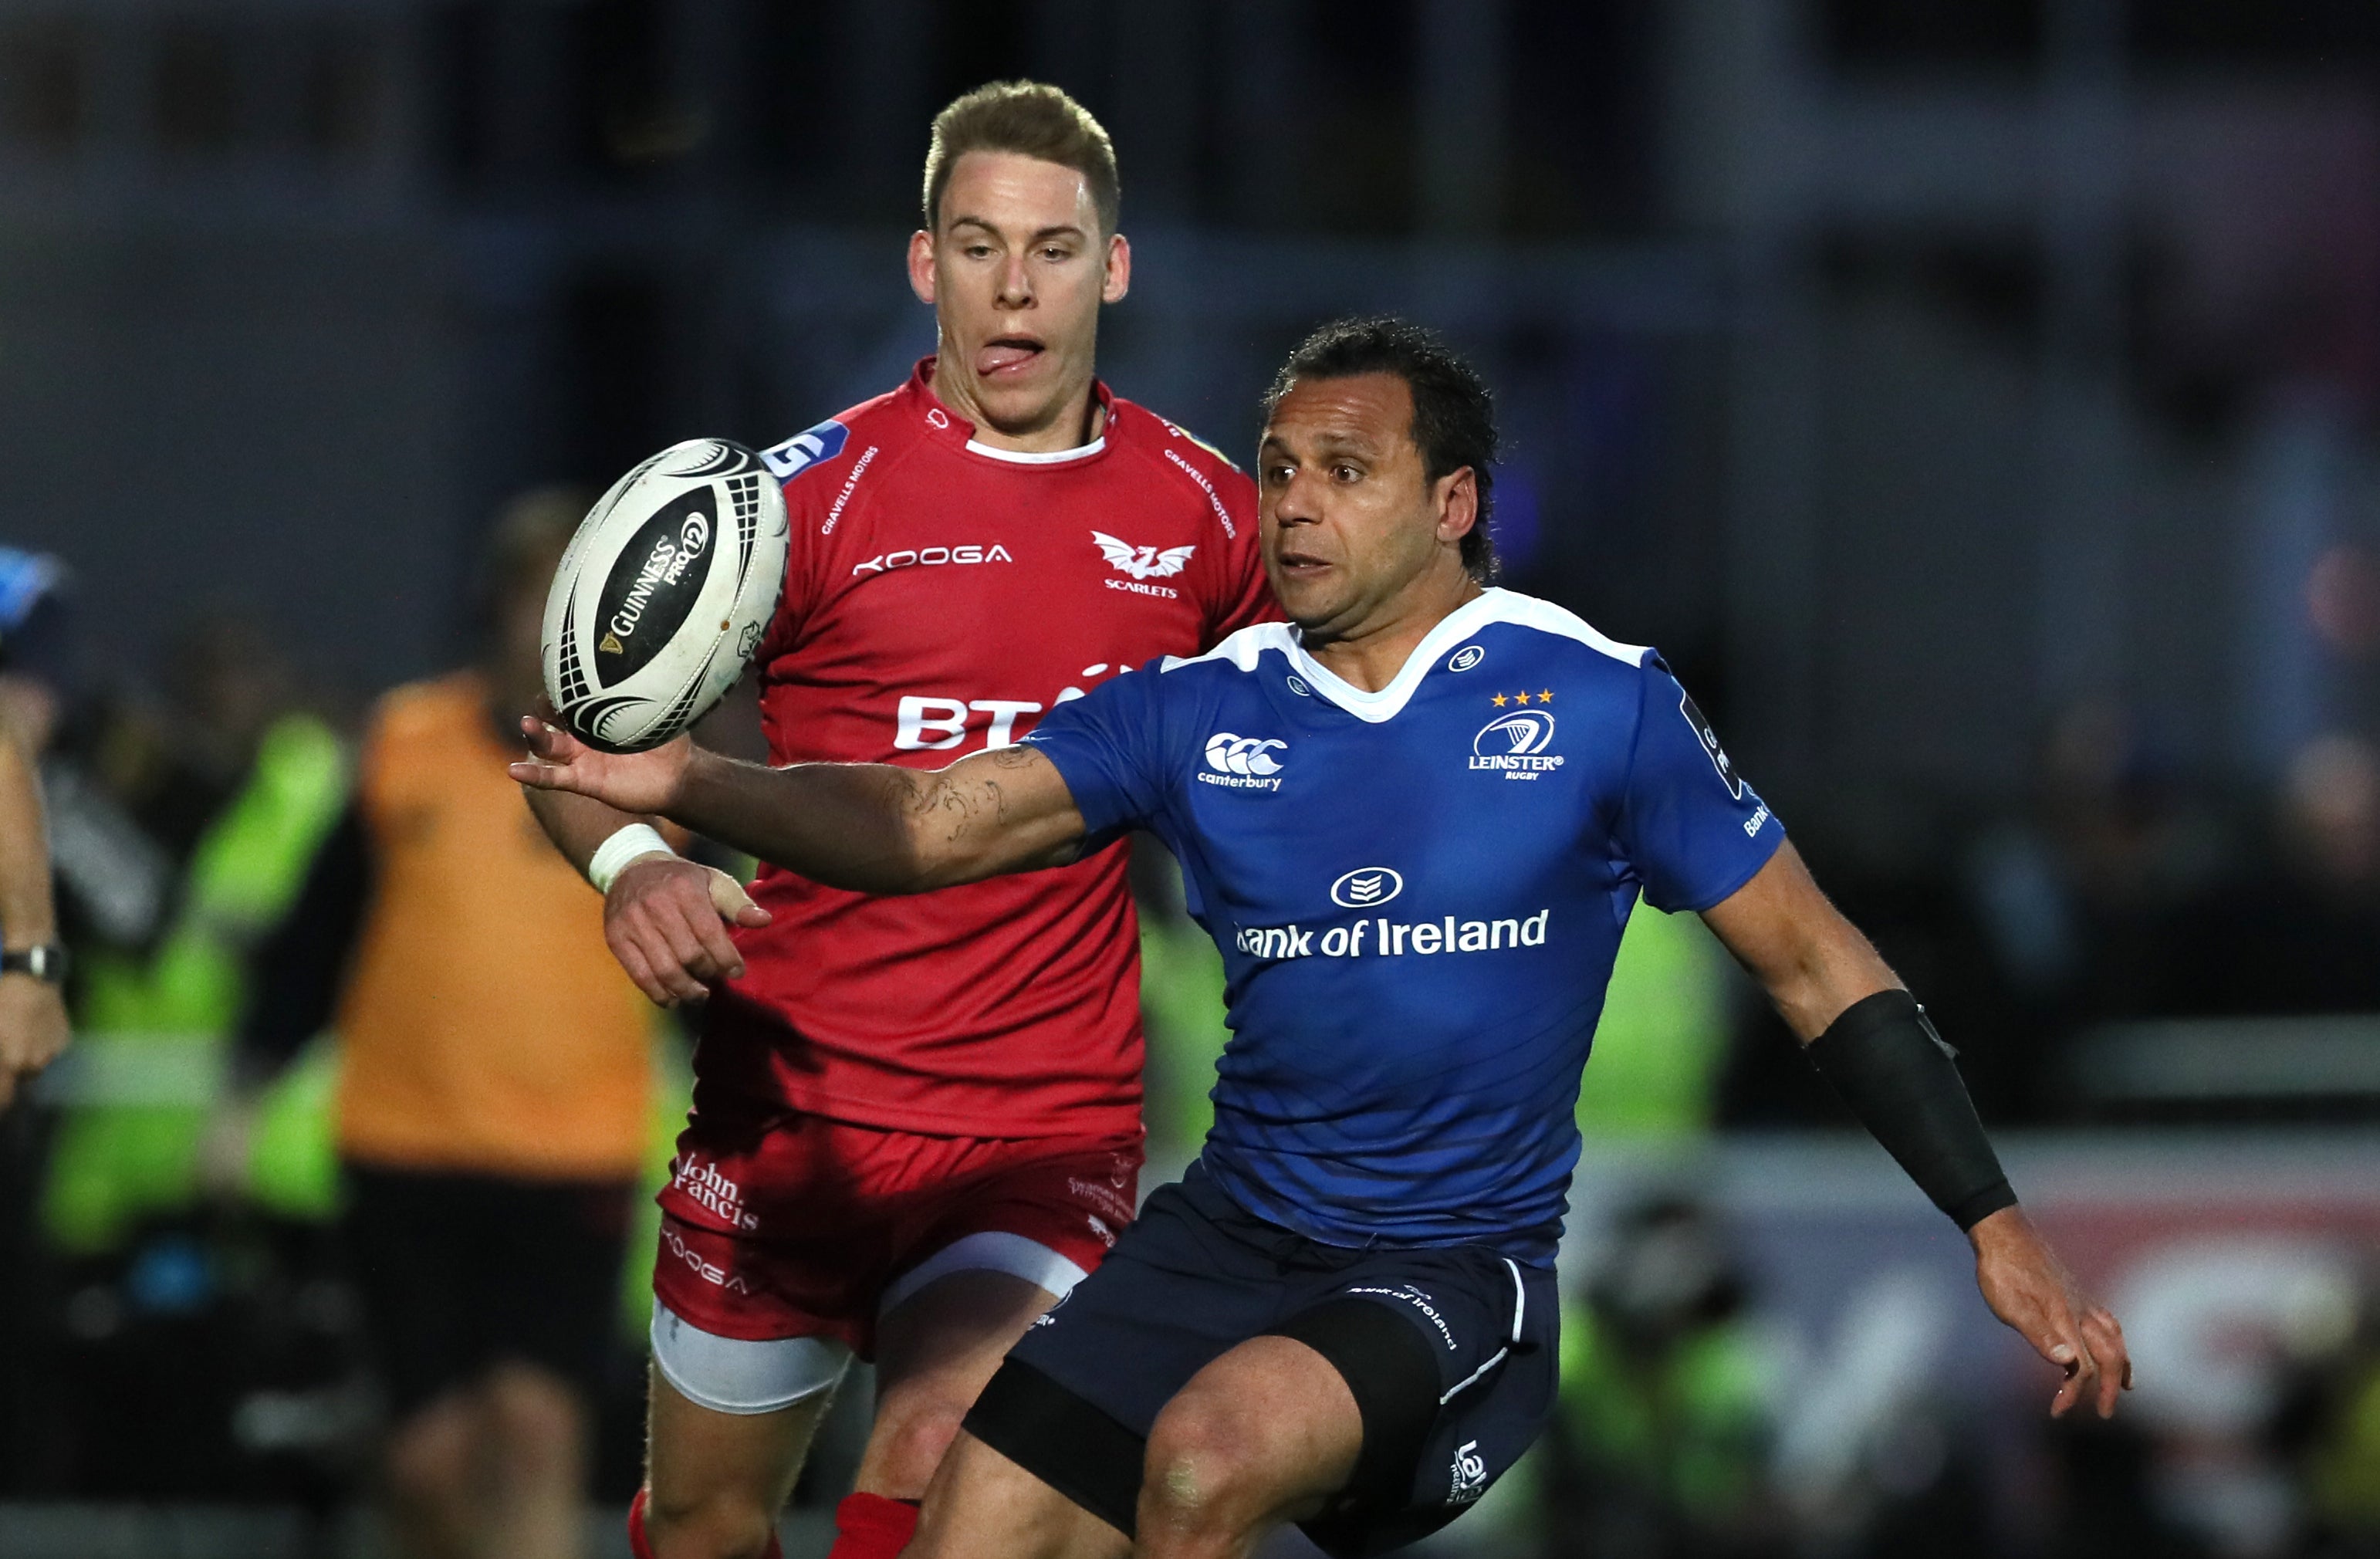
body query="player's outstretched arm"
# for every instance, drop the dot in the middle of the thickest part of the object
(869, 827)
(1812, 962)
(1875, 1046)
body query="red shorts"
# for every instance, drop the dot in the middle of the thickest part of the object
(795, 1226)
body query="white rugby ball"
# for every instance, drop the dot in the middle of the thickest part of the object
(664, 594)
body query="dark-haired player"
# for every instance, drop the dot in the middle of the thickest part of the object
(916, 1122)
(1415, 822)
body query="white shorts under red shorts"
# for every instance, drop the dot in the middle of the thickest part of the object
(784, 1224)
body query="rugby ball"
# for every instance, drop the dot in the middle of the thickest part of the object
(664, 594)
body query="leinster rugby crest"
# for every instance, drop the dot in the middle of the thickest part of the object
(1514, 744)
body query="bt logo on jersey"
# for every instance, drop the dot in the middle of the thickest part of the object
(926, 723)
(931, 722)
(1242, 762)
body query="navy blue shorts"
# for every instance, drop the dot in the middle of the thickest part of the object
(1449, 1353)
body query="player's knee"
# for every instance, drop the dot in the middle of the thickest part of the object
(914, 1430)
(1204, 1471)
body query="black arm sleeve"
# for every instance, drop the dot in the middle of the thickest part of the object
(1894, 1071)
(295, 982)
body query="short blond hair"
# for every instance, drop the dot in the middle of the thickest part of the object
(1031, 119)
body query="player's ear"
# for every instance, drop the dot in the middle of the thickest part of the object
(921, 265)
(1458, 505)
(1119, 276)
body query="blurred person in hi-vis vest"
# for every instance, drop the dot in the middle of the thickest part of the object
(494, 1080)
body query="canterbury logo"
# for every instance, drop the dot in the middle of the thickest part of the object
(1239, 762)
(1229, 754)
(1142, 563)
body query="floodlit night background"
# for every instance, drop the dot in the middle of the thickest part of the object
(1974, 401)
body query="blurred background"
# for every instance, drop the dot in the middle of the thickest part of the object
(1973, 400)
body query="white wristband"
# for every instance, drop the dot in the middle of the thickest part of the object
(613, 856)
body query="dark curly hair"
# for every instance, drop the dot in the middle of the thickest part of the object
(1453, 415)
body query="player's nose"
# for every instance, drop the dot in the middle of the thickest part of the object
(1015, 284)
(1296, 501)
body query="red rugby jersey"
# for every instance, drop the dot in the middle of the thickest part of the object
(941, 595)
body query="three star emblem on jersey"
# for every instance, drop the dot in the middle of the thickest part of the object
(1242, 762)
(1514, 745)
(1139, 565)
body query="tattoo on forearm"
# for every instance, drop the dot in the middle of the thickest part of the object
(953, 810)
(964, 807)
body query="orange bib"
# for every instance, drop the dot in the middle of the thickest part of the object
(485, 1026)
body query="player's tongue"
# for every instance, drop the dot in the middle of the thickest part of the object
(1005, 357)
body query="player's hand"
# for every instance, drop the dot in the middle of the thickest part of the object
(633, 781)
(33, 1030)
(666, 919)
(2030, 1288)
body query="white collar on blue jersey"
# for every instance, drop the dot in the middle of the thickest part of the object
(1245, 647)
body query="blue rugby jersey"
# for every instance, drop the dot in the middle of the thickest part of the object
(1418, 894)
